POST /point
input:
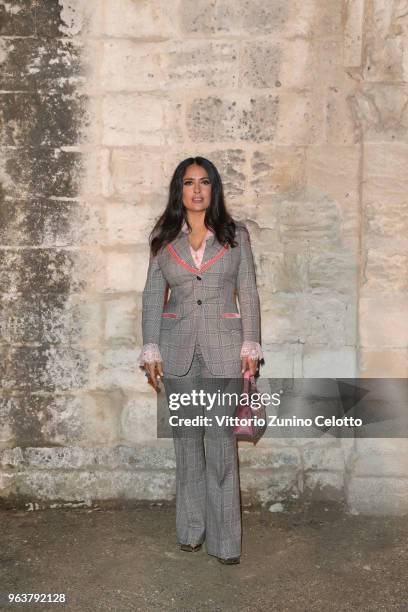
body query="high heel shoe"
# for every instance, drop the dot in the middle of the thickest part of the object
(190, 548)
(230, 561)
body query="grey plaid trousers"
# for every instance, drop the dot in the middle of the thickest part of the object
(207, 477)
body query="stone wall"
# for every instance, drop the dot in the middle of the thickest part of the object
(302, 105)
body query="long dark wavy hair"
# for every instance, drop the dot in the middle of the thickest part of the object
(216, 217)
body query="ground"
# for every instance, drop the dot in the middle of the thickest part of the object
(313, 556)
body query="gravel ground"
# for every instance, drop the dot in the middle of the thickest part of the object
(309, 557)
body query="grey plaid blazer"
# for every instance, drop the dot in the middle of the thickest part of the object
(202, 303)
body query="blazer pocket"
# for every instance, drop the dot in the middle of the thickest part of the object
(231, 320)
(169, 320)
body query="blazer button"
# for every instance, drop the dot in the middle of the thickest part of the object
(198, 277)
(199, 302)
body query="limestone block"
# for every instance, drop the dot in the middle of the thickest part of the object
(267, 485)
(297, 318)
(139, 419)
(378, 363)
(232, 166)
(34, 119)
(140, 172)
(381, 112)
(383, 321)
(123, 272)
(324, 456)
(117, 368)
(309, 220)
(295, 63)
(129, 224)
(34, 63)
(319, 362)
(277, 169)
(97, 179)
(237, 18)
(264, 458)
(334, 272)
(47, 419)
(284, 319)
(159, 455)
(65, 420)
(377, 495)
(282, 272)
(82, 486)
(281, 360)
(342, 123)
(233, 17)
(324, 486)
(334, 170)
(57, 173)
(66, 18)
(386, 43)
(385, 189)
(52, 368)
(386, 272)
(285, 118)
(156, 19)
(133, 119)
(122, 317)
(393, 464)
(7, 484)
(128, 65)
(353, 33)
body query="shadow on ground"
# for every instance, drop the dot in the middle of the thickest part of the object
(311, 557)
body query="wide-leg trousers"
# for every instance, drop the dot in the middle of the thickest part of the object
(207, 477)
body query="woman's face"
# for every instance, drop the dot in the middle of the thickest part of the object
(196, 189)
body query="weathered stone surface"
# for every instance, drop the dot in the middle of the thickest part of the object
(323, 486)
(156, 19)
(47, 223)
(302, 107)
(123, 124)
(334, 170)
(384, 363)
(41, 118)
(386, 42)
(269, 117)
(376, 495)
(40, 172)
(122, 319)
(17, 18)
(383, 321)
(266, 485)
(353, 32)
(381, 112)
(319, 362)
(234, 18)
(131, 66)
(324, 456)
(33, 64)
(277, 170)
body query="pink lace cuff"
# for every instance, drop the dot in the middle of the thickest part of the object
(251, 349)
(149, 353)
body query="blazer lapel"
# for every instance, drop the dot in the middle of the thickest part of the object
(181, 247)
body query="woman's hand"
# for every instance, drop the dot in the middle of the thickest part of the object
(249, 363)
(154, 373)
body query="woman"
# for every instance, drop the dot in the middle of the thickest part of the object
(198, 334)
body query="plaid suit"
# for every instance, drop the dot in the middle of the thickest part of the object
(200, 333)
(202, 304)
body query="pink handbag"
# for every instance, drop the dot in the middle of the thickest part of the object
(251, 423)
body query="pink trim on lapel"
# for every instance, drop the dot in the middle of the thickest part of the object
(204, 267)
